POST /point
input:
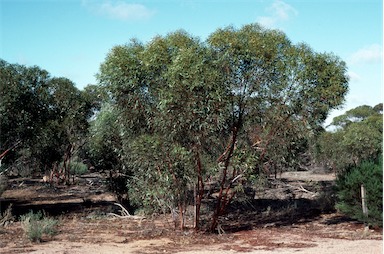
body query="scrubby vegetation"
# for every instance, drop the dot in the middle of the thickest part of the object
(177, 116)
(36, 225)
(354, 151)
(370, 175)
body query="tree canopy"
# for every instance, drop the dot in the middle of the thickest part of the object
(357, 138)
(357, 114)
(46, 114)
(230, 107)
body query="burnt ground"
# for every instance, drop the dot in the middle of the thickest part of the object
(288, 212)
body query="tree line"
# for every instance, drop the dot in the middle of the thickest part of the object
(176, 113)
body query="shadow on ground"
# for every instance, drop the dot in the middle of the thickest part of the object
(244, 213)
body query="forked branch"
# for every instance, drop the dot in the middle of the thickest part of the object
(125, 214)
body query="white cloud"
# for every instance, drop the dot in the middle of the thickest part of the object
(369, 54)
(353, 76)
(279, 12)
(119, 10)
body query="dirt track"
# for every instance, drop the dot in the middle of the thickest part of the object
(94, 236)
(326, 246)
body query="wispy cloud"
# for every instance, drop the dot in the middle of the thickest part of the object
(353, 76)
(279, 12)
(369, 54)
(119, 10)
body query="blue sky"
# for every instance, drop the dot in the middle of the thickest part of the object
(71, 38)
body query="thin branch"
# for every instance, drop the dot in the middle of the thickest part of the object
(123, 209)
(237, 177)
(125, 214)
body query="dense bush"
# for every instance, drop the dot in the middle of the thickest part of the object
(78, 168)
(349, 192)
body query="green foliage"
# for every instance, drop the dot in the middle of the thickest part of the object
(104, 141)
(378, 108)
(245, 98)
(358, 137)
(329, 151)
(363, 141)
(78, 168)
(355, 115)
(160, 176)
(35, 225)
(21, 107)
(46, 114)
(279, 93)
(370, 174)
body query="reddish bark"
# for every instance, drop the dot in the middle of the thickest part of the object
(199, 191)
(225, 196)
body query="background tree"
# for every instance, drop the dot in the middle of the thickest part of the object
(357, 137)
(222, 106)
(357, 114)
(48, 115)
(70, 124)
(354, 151)
(22, 112)
(104, 142)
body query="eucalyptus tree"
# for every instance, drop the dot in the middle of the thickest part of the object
(65, 133)
(45, 114)
(21, 110)
(229, 107)
(169, 99)
(279, 94)
(23, 113)
(357, 137)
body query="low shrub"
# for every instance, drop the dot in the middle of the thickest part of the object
(78, 168)
(370, 174)
(35, 225)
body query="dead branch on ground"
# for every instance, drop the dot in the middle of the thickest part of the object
(125, 214)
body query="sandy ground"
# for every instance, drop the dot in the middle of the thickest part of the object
(323, 246)
(326, 246)
(99, 236)
(89, 232)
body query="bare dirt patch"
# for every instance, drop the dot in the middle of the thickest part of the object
(258, 225)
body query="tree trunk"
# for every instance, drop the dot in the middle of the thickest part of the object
(224, 196)
(182, 215)
(199, 192)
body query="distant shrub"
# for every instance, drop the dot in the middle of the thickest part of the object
(35, 225)
(78, 168)
(349, 192)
